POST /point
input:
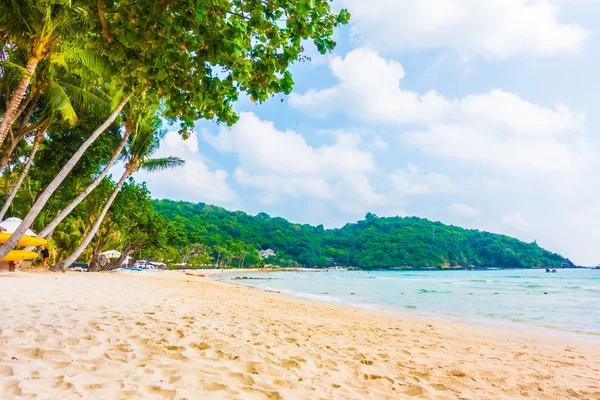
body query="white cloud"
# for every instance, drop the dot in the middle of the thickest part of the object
(379, 144)
(508, 153)
(263, 148)
(492, 183)
(194, 181)
(491, 28)
(516, 221)
(369, 89)
(463, 210)
(282, 163)
(496, 128)
(355, 195)
(273, 186)
(411, 181)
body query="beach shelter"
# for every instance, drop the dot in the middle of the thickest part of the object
(111, 254)
(10, 225)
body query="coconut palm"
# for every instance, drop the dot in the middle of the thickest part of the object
(38, 138)
(54, 91)
(47, 231)
(63, 82)
(142, 145)
(34, 29)
(60, 177)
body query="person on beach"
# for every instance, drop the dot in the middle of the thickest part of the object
(45, 254)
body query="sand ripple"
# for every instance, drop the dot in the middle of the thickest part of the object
(101, 336)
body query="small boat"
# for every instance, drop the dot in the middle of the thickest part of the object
(190, 274)
(132, 269)
(27, 240)
(550, 271)
(19, 255)
(340, 269)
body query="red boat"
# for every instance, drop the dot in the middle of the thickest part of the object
(190, 274)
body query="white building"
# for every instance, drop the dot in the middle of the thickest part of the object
(267, 253)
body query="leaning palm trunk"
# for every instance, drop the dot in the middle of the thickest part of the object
(63, 265)
(118, 262)
(47, 231)
(23, 131)
(51, 188)
(15, 101)
(94, 265)
(13, 193)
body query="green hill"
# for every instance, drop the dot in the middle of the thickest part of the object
(372, 243)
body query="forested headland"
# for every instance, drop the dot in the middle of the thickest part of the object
(233, 238)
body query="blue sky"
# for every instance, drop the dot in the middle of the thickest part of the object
(478, 114)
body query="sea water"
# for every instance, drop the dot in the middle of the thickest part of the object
(564, 302)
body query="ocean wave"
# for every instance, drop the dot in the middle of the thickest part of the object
(533, 286)
(433, 291)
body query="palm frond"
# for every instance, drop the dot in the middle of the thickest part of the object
(93, 62)
(160, 164)
(90, 99)
(146, 138)
(14, 68)
(56, 102)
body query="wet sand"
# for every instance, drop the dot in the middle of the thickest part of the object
(171, 336)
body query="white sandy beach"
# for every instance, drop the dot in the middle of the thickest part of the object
(171, 336)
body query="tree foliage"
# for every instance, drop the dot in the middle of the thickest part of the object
(372, 243)
(199, 55)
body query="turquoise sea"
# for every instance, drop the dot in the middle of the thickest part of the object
(564, 303)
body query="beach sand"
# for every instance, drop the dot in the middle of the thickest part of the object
(171, 336)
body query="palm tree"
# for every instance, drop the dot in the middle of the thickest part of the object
(51, 188)
(51, 104)
(142, 145)
(35, 29)
(64, 81)
(220, 250)
(38, 137)
(47, 231)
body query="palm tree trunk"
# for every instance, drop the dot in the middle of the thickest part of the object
(67, 210)
(15, 101)
(13, 193)
(23, 129)
(118, 262)
(86, 241)
(51, 188)
(95, 262)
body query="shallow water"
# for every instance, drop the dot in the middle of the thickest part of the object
(507, 298)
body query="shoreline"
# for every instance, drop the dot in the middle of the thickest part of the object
(548, 331)
(169, 335)
(434, 269)
(505, 325)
